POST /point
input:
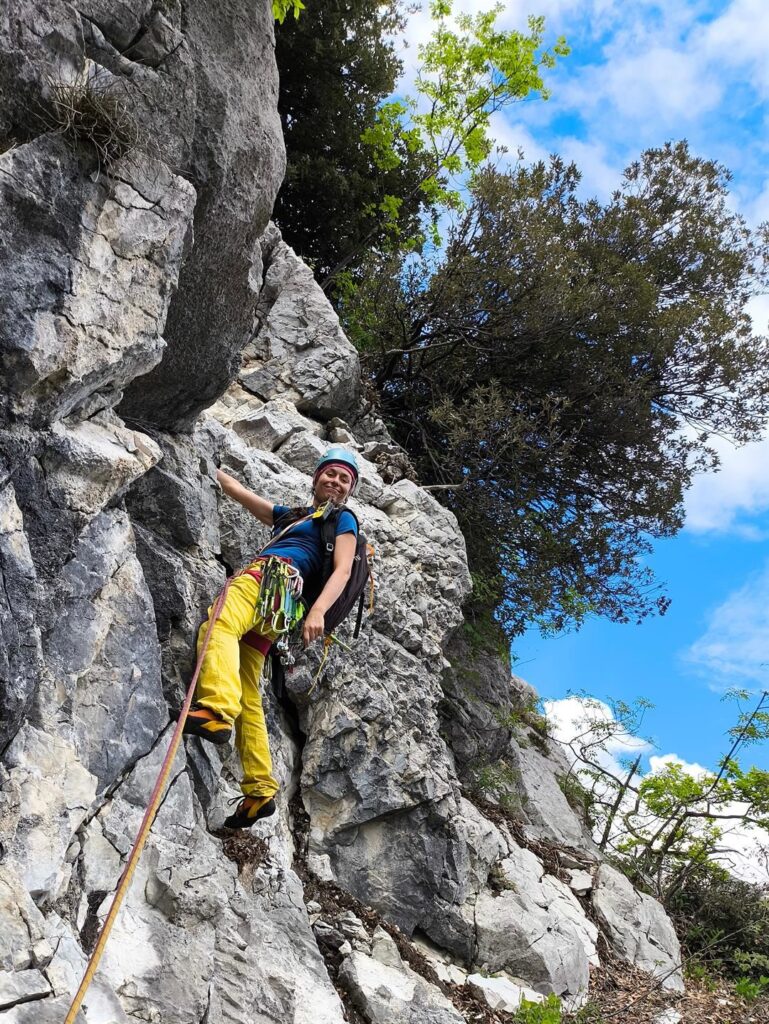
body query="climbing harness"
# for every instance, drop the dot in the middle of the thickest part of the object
(149, 817)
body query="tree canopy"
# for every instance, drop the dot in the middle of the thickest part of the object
(337, 64)
(369, 172)
(557, 372)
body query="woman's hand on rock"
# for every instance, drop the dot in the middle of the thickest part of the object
(314, 625)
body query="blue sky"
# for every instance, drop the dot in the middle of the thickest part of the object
(640, 74)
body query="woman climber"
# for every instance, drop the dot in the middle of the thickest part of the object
(262, 604)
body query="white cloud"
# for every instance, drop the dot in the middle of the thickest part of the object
(514, 135)
(734, 649)
(739, 38)
(663, 86)
(730, 500)
(659, 762)
(599, 176)
(573, 717)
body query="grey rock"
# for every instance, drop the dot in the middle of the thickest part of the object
(516, 935)
(101, 258)
(230, 146)
(637, 927)
(394, 995)
(298, 349)
(52, 792)
(22, 987)
(385, 949)
(22, 926)
(86, 464)
(102, 654)
(43, 1011)
(545, 808)
(478, 699)
(20, 651)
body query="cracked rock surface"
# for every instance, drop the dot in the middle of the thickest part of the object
(132, 299)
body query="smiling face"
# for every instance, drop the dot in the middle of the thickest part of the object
(333, 483)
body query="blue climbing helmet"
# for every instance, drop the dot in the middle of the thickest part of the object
(338, 456)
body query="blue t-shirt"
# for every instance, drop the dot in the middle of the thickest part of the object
(302, 544)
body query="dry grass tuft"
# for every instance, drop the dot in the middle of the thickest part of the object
(88, 111)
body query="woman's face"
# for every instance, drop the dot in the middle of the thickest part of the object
(334, 483)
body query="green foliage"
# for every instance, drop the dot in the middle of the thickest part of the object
(590, 1013)
(363, 169)
(498, 781)
(578, 797)
(548, 1012)
(751, 990)
(540, 370)
(465, 76)
(482, 629)
(668, 826)
(281, 8)
(337, 64)
(723, 923)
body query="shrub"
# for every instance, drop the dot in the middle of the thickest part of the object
(723, 921)
(548, 1012)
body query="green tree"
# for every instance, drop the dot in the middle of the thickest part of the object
(364, 172)
(665, 825)
(337, 64)
(557, 373)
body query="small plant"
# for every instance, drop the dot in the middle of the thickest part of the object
(698, 972)
(500, 781)
(590, 1013)
(751, 990)
(577, 797)
(87, 110)
(548, 1012)
(281, 8)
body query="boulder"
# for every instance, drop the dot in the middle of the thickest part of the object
(388, 994)
(637, 928)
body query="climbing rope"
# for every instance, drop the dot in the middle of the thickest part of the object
(146, 825)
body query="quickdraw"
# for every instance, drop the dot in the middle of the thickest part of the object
(279, 601)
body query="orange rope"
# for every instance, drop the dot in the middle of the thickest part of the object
(149, 817)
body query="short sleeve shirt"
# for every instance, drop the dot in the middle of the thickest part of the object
(302, 544)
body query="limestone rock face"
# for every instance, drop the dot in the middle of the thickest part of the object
(298, 349)
(132, 297)
(200, 82)
(638, 928)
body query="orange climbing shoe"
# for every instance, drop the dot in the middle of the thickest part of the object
(249, 810)
(204, 723)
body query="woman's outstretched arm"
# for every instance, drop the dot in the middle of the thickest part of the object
(257, 506)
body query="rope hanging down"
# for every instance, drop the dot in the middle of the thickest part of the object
(146, 825)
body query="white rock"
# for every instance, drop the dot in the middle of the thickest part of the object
(580, 882)
(668, 1016)
(500, 993)
(21, 987)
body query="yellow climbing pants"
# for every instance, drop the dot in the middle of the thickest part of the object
(229, 677)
